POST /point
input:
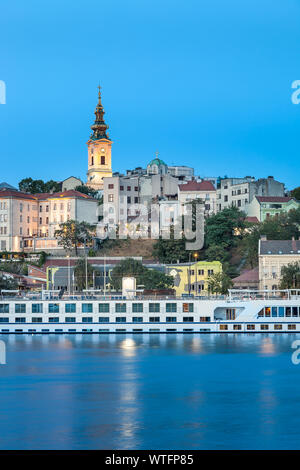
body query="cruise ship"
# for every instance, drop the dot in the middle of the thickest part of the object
(242, 311)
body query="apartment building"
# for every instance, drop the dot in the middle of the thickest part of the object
(263, 207)
(28, 221)
(273, 255)
(239, 192)
(203, 190)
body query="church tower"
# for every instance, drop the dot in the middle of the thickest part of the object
(99, 150)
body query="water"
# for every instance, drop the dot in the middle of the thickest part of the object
(150, 392)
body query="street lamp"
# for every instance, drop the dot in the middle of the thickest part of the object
(196, 257)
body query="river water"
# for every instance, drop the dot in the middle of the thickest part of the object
(173, 391)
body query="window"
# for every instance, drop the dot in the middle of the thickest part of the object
(53, 308)
(87, 308)
(37, 308)
(154, 307)
(264, 327)
(4, 320)
(110, 198)
(20, 320)
(128, 188)
(154, 319)
(171, 319)
(295, 311)
(277, 327)
(120, 319)
(210, 272)
(137, 319)
(291, 327)
(102, 160)
(288, 311)
(37, 320)
(237, 327)
(70, 308)
(121, 188)
(87, 319)
(188, 307)
(103, 319)
(70, 319)
(120, 308)
(53, 319)
(188, 319)
(205, 319)
(223, 327)
(128, 199)
(137, 308)
(201, 272)
(104, 308)
(267, 311)
(250, 327)
(4, 308)
(171, 307)
(110, 186)
(20, 308)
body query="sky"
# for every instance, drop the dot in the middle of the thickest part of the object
(206, 83)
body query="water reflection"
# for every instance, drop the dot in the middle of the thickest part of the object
(149, 391)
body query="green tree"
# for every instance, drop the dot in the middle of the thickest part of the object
(80, 270)
(7, 283)
(290, 276)
(86, 190)
(28, 185)
(225, 227)
(219, 283)
(217, 253)
(296, 193)
(149, 278)
(72, 233)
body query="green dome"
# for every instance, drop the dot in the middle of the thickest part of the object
(157, 161)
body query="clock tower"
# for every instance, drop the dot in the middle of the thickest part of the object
(99, 150)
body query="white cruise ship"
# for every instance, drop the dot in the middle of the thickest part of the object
(239, 312)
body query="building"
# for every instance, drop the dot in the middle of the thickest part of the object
(119, 194)
(181, 172)
(273, 255)
(249, 279)
(99, 150)
(239, 192)
(70, 183)
(157, 167)
(192, 278)
(203, 190)
(28, 221)
(263, 207)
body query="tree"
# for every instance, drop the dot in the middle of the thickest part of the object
(7, 283)
(219, 283)
(149, 278)
(224, 227)
(87, 190)
(290, 276)
(72, 233)
(217, 253)
(80, 270)
(296, 193)
(28, 185)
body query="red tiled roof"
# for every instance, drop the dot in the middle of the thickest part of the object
(195, 186)
(252, 275)
(252, 220)
(17, 194)
(273, 199)
(41, 196)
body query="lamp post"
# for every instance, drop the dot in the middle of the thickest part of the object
(69, 276)
(196, 257)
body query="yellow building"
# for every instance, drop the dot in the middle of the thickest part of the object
(192, 278)
(99, 150)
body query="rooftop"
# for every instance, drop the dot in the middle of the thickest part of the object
(279, 247)
(273, 199)
(193, 185)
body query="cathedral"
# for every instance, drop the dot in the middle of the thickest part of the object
(99, 150)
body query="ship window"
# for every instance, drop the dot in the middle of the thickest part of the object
(295, 311)
(274, 311)
(250, 327)
(188, 319)
(137, 308)
(281, 311)
(171, 319)
(237, 327)
(53, 320)
(120, 319)
(4, 320)
(277, 327)
(288, 311)
(264, 327)
(267, 311)
(70, 319)
(87, 319)
(104, 308)
(188, 307)
(154, 319)
(37, 308)
(37, 320)
(4, 308)
(20, 308)
(291, 327)
(204, 319)
(70, 308)
(87, 308)
(154, 308)
(103, 319)
(120, 308)
(53, 308)
(223, 327)
(137, 319)
(171, 307)
(20, 320)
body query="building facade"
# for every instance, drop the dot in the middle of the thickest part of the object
(204, 190)
(273, 255)
(192, 278)
(263, 207)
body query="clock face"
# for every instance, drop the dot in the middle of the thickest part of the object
(102, 150)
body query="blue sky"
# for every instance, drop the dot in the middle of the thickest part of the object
(206, 83)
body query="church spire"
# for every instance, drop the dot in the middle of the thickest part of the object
(99, 127)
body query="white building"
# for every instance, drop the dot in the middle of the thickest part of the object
(203, 190)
